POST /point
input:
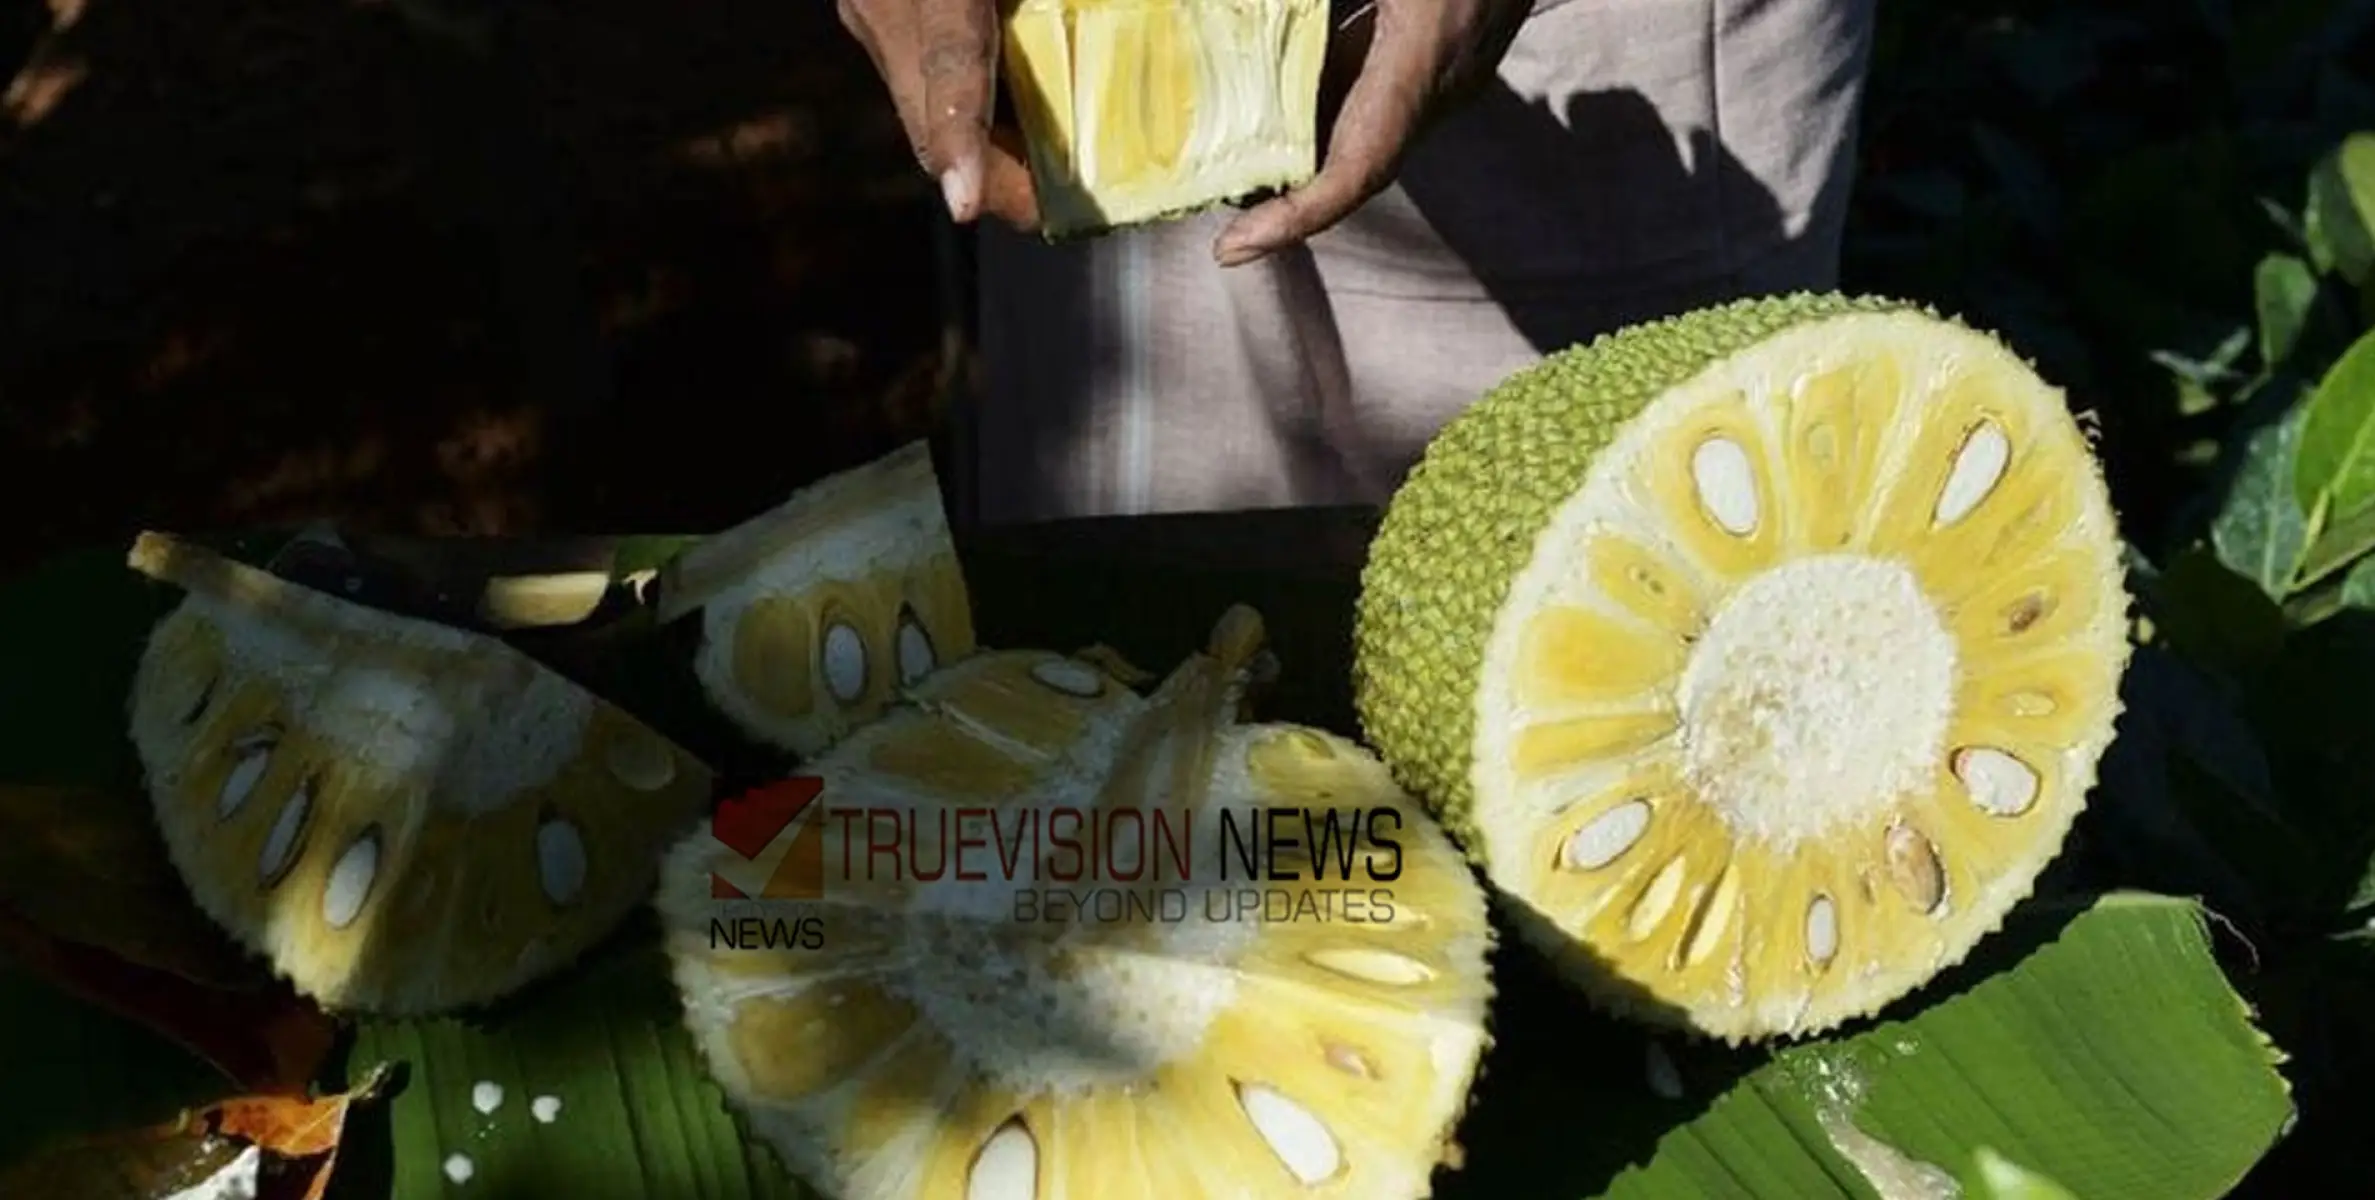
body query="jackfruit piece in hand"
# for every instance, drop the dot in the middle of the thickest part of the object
(1765, 654)
(1172, 1042)
(815, 613)
(402, 816)
(1135, 111)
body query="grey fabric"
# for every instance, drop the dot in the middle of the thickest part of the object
(1638, 158)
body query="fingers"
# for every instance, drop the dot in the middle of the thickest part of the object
(958, 40)
(1380, 113)
(939, 60)
(1006, 182)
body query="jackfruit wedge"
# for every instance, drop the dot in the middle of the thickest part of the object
(817, 612)
(1765, 654)
(1140, 110)
(404, 817)
(955, 1030)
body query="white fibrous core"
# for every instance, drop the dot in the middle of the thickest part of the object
(1818, 696)
(487, 730)
(1042, 1018)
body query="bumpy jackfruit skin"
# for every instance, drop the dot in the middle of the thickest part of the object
(1757, 736)
(1464, 524)
(817, 612)
(934, 1044)
(1137, 111)
(402, 817)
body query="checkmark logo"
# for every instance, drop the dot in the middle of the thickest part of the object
(751, 822)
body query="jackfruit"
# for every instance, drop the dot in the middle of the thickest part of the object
(1134, 111)
(815, 613)
(1089, 1001)
(403, 817)
(1764, 654)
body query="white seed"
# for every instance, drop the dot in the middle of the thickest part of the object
(1822, 930)
(1727, 484)
(486, 1097)
(916, 659)
(1295, 1135)
(350, 881)
(280, 843)
(641, 762)
(1914, 868)
(1978, 467)
(255, 755)
(1068, 677)
(546, 1109)
(459, 1168)
(845, 663)
(1665, 1079)
(1349, 1060)
(2000, 784)
(560, 860)
(1607, 837)
(1373, 966)
(1007, 1167)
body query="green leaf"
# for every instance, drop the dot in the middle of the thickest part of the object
(2283, 290)
(2341, 209)
(2215, 616)
(2358, 587)
(2334, 472)
(637, 1112)
(2004, 1179)
(2260, 529)
(2114, 1059)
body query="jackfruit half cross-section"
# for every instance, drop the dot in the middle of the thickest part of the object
(403, 817)
(931, 1044)
(1765, 654)
(1136, 111)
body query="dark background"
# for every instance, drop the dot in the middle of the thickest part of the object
(604, 266)
(618, 266)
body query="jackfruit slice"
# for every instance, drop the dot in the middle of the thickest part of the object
(1765, 654)
(815, 613)
(973, 1036)
(403, 817)
(1139, 110)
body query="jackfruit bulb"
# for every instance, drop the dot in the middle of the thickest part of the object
(1139, 110)
(402, 816)
(817, 612)
(1763, 654)
(1019, 1020)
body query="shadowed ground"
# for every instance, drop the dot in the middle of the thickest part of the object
(597, 265)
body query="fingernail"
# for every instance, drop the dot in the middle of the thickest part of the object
(960, 185)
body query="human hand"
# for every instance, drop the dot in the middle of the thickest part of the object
(1418, 57)
(940, 60)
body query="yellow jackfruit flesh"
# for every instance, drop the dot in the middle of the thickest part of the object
(1139, 110)
(1764, 654)
(972, 1036)
(403, 817)
(816, 613)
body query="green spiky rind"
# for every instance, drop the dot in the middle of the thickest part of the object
(1465, 524)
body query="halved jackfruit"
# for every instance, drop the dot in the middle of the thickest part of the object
(958, 1033)
(1139, 110)
(402, 816)
(1765, 654)
(815, 613)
